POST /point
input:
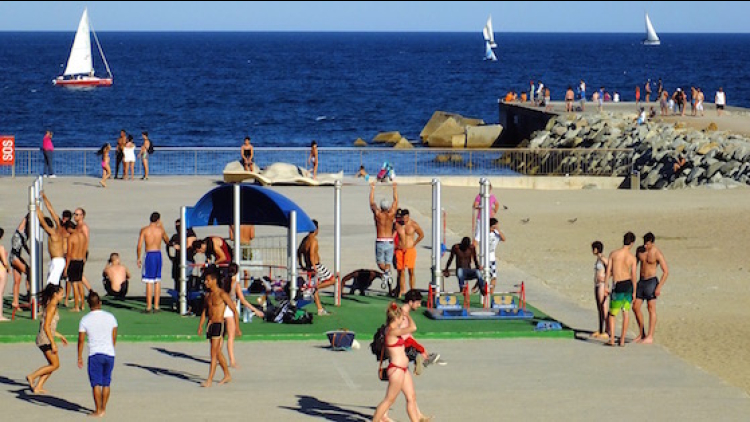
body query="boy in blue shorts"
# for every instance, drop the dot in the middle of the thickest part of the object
(101, 328)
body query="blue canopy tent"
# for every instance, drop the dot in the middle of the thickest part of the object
(243, 204)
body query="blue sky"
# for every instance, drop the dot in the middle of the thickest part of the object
(409, 16)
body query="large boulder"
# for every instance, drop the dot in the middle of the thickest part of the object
(387, 137)
(438, 119)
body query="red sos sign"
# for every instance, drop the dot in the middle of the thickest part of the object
(7, 150)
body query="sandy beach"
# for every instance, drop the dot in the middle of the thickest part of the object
(702, 232)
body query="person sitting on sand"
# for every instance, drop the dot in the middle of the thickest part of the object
(115, 277)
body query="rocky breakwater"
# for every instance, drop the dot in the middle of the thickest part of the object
(665, 155)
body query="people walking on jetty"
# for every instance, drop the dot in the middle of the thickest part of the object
(647, 91)
(101, 329)
(664, 103)
(693, 97)
(146, 150)
(547, 99)
(406, 250)
(531, 92)
(45, 339)
(115, 277)
(720, 99)
(637, 97)
(48, 150)
(383, 216)
(4, 270)
(622, 271)
(659, 88)
(55, 244)
(248, 154)
(216, 300)
(540, 93)
(309, 260)
(465, 253)
(600, 99)
(18, 244)
(106, 170)
(313, 158)
(569, 98)
(119, 154)
(128, 158)
(699, 98)
(600, 289)
(649, 286)
(75, 263)
(399, 377)
(151, 237)
(582, 94)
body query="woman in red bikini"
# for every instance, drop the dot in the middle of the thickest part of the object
(399, 378)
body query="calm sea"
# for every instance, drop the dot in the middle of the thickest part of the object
(286, 89)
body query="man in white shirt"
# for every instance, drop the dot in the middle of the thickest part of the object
(101, 328)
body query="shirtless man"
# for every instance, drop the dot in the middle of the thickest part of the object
(119, 154)
(621, 269)
(75, 260)
(152, 236)
(55, 243)
(78, 216)
(215, 248)
(116, 277)
(247, 234)
(361, 280)
(307, 253)
(406, 251)
(649, 287)
(215, 302)
(464, 253)
(383, 217)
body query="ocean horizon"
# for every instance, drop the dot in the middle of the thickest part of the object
(204, 89)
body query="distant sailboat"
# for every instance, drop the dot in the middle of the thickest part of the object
(80, 68)
(489, 41)
(488, 53)
(489, 34)
(651, 37)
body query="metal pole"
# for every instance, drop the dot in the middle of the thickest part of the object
(32, 250)
(183, 260)
(292, 254)
(237, 222)
(39, 235)
(484, 224)
(337, 240)
(437, 275)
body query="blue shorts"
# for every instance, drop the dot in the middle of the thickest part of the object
(384, 251)
(100, 369)
(152, 267)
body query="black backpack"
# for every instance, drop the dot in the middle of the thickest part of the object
(150, 146)
(378, 342)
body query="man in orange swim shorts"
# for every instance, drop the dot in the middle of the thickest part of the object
(406, 251)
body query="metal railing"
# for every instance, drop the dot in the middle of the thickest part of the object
(409, 162)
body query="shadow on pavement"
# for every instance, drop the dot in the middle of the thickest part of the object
(311, 406)
(181, 355)
(168, 372)
(45, 400)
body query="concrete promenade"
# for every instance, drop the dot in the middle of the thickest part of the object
(515, 379)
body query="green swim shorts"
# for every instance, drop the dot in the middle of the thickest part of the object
(621, 298)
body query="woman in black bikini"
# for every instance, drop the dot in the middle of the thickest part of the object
(247, 155)
(399, 378)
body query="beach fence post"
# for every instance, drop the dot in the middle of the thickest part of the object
(183, 261)
(484, 231)
(291, 255)
(337, 240)
(437, 275)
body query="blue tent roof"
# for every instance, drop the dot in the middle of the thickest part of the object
(259, 206)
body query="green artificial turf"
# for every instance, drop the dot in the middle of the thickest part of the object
(361, 314)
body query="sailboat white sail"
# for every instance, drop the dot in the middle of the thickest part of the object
(489, 34)
(651, 37)
(80, 68)
(488, 53)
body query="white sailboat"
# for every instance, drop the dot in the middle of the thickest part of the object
(80, 68)
(489, 34)
(489, 54)
(651, 37)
